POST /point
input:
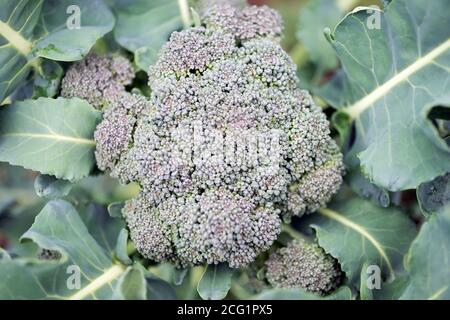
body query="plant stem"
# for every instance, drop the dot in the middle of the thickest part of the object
(15, 39)
(109, 275)
(292, 232)
(299, 55)
(185, 14)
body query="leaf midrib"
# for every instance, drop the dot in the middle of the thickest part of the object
(15, 39)
(107, 277)
(438, 293)
(362, 231)
(360, 106)
(57, 137)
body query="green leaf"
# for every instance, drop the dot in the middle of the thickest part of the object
(434, 195)
(52, 136)
(368, 190)
(21, 283)
(20, 219)
(365, 292)
(343, 293)
(169, 273)
(215, 282)
(145, 57)
(357, 232)
(428, 260)
(145, 23)
(396, 74)
(315, 16)
(16, 192)
(335, 91)
(4, 255)
(47, 81)
(121, 247)
(158, 289)
(58, 42)
(59, 227)
(179, 275)
(115, 209)
(131, 285)
(392, 290)
(17, 22)
(26, 34)
(101, 226)
(51, 188)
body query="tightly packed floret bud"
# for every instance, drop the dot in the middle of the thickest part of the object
(114, 135)
(303, 265)
(230, 143)
(315, 189)
(98, 79)
(249, 23)
(216, 226)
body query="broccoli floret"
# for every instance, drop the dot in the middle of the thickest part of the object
(216, 226)
(114, 135)
(249, 23)
(191, 51)
(98, 79)
(303, 265)
(315, 188)
(225, 145)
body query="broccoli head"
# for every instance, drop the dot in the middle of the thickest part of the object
(303, 265)
(225, 146)
(98, 79)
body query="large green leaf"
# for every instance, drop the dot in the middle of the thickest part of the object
(315, 16)
(19, 283)
(215, 282)
(58, 42)
(26, 34)
(145, 23)
(16, 189)
(357, 232)
(344, 293)
(131, 285)
(391, 290)
(367, 190)
(144, 26)
(104, 229)
(59, 227)
(394, 76)
(53, 136)
(17, 22)
(27, 280)
(145, 57)
(17, 221)
(428, 260)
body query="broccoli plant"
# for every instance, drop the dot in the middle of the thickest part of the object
(211, 189)
(206, 149)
